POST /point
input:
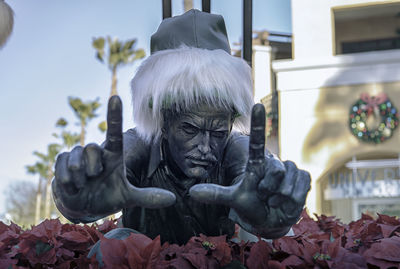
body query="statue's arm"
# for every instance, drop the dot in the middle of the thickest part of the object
(267, 195)
(235, 162)
(91, 182)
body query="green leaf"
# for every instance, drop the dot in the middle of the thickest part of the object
(42, 247)
(61, 122)
(140, 53)
(98, 43)
(102, 126)
(100, 55)
(115, 46)
(114, 59)
(128, 45)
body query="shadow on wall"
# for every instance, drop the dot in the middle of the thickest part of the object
(331, 132)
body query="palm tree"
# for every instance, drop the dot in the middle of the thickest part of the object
(119, 53)
(40, 169)
(84, 112)
(68, 138)
(48, 159)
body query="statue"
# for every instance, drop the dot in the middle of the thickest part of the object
(185, 169)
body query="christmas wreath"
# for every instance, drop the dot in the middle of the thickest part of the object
(381, 110)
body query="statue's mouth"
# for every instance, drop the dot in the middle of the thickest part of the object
(201, 162)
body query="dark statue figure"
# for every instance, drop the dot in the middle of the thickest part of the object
(185, 169)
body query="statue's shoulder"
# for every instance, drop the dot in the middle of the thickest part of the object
(136, 150)
(235, 157)
(237, 143)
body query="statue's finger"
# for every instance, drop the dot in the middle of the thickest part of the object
(149, 197)
(61, 170)
(92, 154)
(257, 134)
(302, 186)
(76, 167)
(213, 194)
(63, 177)
(274, 176)
(113, 141)
(288, 183)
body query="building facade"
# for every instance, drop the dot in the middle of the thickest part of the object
(338, 101)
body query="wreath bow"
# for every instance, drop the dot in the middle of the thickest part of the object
(372, 102)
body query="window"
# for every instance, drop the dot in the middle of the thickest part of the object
(367, 28)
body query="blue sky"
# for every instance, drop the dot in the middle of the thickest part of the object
(49, 57)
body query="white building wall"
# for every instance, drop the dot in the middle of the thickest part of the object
(314, 66)
(262, 58)
(312, 26)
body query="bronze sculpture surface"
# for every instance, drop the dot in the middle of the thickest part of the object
(184, 170)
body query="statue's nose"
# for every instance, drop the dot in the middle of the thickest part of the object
(204, 145)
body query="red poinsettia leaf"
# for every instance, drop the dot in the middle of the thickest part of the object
(3, 227)
(388, 230)
(170, 252)
(15, 228)
(93, 232)
(217, 247)
(195, 245)
(6, 263)
(152, 253)
(113, 253)
(387, 249)
(75, 237)
(275, 265)
(8, 238)
(259, 255)
(137, 241)
(348, 259)
(288, 245)
(371, 232)
(107, 226)
(366, 217)
(305, 225)
(66, 254)
(179, 263)
(309, 250)
(292, 261)
(389, 220)
(64, 265)
(222, 253)
(132, 254)
(334, 247)
(378, 263)
(196, 260)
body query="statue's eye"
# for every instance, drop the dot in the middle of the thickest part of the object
(219, 134)
(190, 129)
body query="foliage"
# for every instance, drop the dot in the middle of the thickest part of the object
(84, 111)
(38, 168)
(68, 138)
(102, 126)
(119, 53)
(321, 243)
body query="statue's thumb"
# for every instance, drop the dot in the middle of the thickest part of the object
(212, 194)
(149, 197)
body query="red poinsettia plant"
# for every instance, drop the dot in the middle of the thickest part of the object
(321, 243)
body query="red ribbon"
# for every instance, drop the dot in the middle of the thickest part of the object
(373, 101)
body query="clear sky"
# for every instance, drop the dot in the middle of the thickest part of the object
(49, 57)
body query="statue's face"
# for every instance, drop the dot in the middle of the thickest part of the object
(197, 139)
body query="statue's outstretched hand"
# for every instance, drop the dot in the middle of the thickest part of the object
(90, 182)
(270, 195)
